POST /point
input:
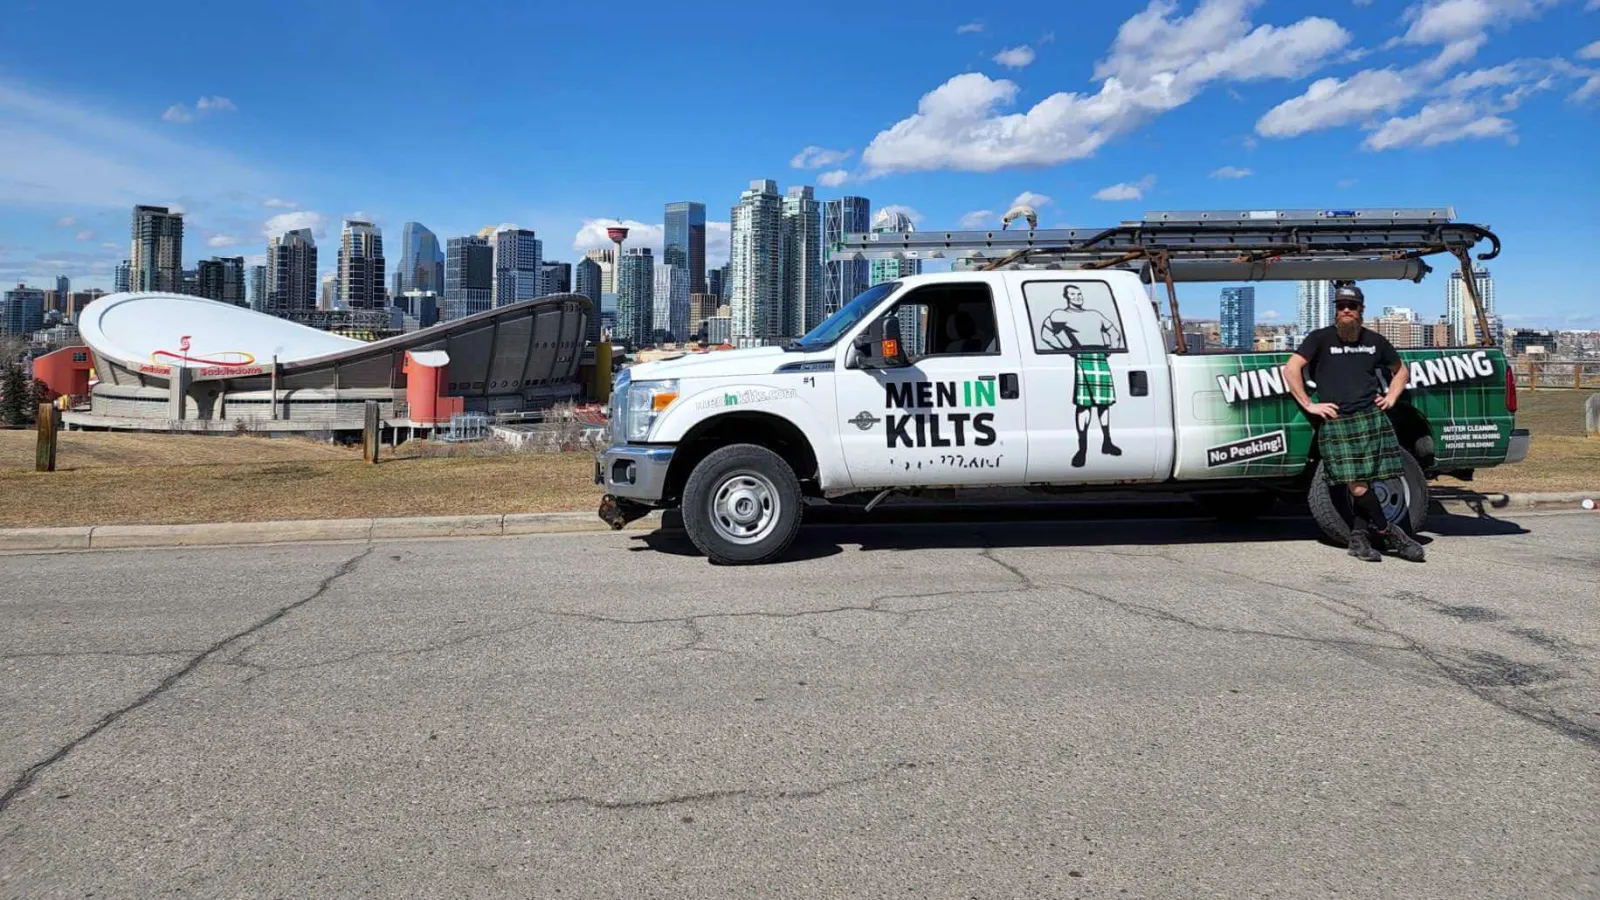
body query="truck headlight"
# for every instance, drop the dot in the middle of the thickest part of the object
(647, 400)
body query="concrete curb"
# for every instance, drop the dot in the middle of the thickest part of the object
(112, 537)
(116, 537)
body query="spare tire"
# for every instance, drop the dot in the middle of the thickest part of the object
(1404, 500)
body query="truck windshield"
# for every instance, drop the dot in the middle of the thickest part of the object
(834, 327)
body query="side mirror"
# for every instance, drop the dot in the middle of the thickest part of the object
(880, 347)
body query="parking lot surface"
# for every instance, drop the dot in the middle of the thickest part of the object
(1129, 708)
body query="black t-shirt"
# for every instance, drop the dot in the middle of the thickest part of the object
(1348, 373)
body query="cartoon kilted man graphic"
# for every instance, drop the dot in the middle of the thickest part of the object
(1089, 335)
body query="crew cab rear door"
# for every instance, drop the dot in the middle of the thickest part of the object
(1096, 385)
(955, 416)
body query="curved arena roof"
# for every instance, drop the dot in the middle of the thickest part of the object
(138, 339)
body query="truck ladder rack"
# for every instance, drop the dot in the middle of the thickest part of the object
(1212, 245)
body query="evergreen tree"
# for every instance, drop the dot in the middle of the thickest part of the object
(14, 391)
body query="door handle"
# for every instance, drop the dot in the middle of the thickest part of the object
(1009, 389)
(1139, 383)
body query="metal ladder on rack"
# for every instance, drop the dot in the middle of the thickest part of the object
(1213, 245)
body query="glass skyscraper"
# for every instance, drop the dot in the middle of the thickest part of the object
(755, 267)
(802, 262)
(361, 282)
(468, 277)
(635, 296)
(588, 279)
(883, 270)
(686, 241)
(1239, 318)
(421, 261)
(843, 279)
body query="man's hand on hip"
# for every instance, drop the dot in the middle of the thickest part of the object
(1325, 410)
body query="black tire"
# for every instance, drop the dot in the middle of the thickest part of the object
(1236, 506)
(745, 479)
(1330, 504)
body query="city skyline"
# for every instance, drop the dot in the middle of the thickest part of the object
(1342, 105)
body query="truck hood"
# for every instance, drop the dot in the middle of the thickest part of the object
(724, 363)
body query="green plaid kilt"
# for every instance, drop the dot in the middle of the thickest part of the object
(1360, 447)
(1091, 380)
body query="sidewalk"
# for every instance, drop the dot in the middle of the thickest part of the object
(112, 537)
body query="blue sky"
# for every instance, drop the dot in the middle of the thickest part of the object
(561, 118)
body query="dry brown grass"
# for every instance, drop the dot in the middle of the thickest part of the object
(155, 479)
(340, 488)
(84, 449)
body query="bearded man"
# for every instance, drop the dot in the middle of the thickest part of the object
(1357, 442)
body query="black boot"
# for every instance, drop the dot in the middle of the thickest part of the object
(1082, 455)
(1361, 546)
(1106, 446)
(1395, 540)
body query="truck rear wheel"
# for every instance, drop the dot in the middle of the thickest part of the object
(1404, 500)
(742, 505)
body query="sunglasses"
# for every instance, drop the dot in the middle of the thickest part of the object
(1347, 304)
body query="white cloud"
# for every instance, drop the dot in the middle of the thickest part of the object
(276, 203)
(978, 218)
(291, 221)
(1126, 191)
(1461, 27)
(181, 114)
(908, 212)
(1440, 122)
(1268, 314)
(1331, 102)
(1029, 198)
(66, 222)
(977, 27)
(1589, 90)
(85, 235)
(221, 240)
(1479, 79)
(814, 157)
(1346, 184)
(1231, 172)
(1155, 64)
(1590, 51)
(108, 245)
(1015, 57)
(65, 152)
(834, 178)
(592, 235)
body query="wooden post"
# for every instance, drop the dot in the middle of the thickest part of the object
(373, 428)
(49, 426)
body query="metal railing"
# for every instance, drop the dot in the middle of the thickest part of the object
(1537, 372)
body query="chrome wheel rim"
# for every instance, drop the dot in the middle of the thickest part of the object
(745, 508)
(1394, 495)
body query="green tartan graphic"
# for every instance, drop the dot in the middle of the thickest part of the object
(1091, 380)
(1360, 447)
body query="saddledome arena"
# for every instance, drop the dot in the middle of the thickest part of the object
(170, 362)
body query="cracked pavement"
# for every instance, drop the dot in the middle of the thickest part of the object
(1082, 709)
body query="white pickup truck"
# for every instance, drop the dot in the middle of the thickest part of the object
(1049, 379)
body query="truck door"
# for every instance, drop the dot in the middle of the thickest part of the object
(1097, 389)
(955, 416)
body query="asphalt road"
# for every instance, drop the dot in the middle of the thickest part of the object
(1099, 709)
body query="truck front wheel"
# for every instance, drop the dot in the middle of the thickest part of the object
(742, 505)
(1404, 500)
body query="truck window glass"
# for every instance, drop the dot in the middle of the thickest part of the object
(835, 326)
(948, 320)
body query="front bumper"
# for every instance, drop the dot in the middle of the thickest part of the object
(1517, 450)
(634, 473)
